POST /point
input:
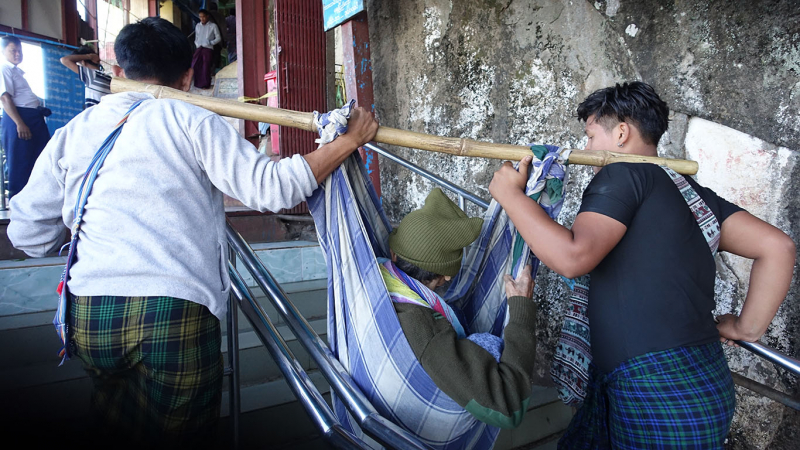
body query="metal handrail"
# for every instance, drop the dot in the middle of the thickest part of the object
(430, 176)
(373, 424)
(232, 371)
(770, 354)
(294, 374)
(2, 181)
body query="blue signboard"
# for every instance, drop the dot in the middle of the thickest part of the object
(335, 12)
(64, 90)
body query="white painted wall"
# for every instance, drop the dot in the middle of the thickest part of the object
(44, 17)
(11, 13)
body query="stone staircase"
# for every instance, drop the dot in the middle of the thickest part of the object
(31, 383)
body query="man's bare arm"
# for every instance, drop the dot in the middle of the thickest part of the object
(568, 252)
(23, 132)
(71, 61)
(773, 254)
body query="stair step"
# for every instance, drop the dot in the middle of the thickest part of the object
(36, 341)
(270, 394)
(255, 363)
(285, 426)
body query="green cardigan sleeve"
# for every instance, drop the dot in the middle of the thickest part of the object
(495, 393)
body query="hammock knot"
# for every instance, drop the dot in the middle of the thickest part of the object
(333, 123)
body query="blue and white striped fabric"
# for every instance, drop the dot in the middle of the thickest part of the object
(332, 123)
(493, 254)
(363, 330)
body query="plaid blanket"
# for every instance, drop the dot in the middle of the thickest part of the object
(363, 330)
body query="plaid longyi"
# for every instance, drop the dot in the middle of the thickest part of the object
(681, 398)
(155, 362)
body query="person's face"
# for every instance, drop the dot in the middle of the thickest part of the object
(203, 18)
(13, 53)
(599, 137)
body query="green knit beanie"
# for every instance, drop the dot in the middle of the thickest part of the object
(433, 237)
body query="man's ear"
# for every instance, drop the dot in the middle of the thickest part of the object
(186, 80)
(118, 71)
(394, 255)
(622, 132)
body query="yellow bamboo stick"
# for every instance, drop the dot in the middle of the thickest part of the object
(392, 136)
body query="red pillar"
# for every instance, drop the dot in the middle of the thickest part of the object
(69, 22)
(91, 17)
(153, 8)
(23, 5)
(358, 80)
(252, 54)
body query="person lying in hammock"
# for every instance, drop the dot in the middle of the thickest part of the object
(488, 376)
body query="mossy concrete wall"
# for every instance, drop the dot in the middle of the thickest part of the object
(513, 71)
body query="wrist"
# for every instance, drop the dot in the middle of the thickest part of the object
(348, 142)
(509, 194)
(746, 331)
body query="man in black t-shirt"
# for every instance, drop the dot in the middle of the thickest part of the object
(659, 377)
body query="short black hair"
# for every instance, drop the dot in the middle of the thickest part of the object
(231, 11)
(8, 39)
(203, 11)
(634, 102)
(153, 48)
(421, 275)
(84, 50)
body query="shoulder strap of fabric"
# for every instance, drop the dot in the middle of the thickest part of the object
(702, 213)
(60, 320)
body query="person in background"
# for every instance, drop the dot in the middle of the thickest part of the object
(23, 129)
(230, 21)
(206, 36)
(219, 20)
(86, 63)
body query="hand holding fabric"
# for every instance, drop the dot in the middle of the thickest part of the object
(509, 181)
(361, 127)
(522, 286)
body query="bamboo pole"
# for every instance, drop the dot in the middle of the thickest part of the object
(392, 136)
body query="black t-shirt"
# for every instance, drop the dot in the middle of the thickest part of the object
(655, 290)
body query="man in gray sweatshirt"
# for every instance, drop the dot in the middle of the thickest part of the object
(150, 282)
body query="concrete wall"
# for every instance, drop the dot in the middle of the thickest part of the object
(514, 71)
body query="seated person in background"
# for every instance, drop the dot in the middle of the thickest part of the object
(86, 63)
(490, 377)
